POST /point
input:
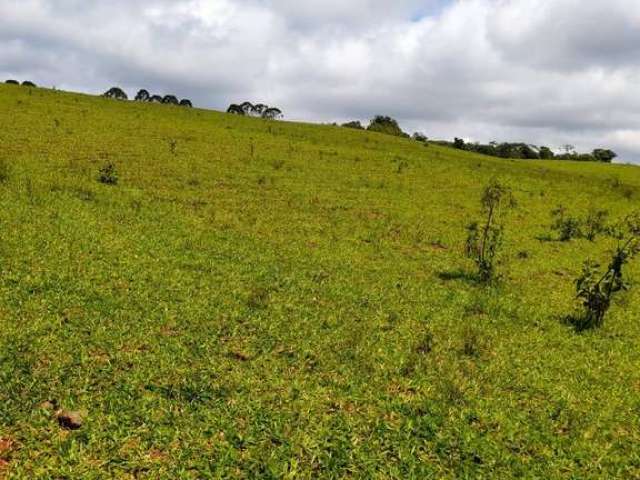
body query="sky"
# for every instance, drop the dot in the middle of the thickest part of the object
(546, 72)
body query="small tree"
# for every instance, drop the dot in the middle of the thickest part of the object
(142, 96)
(12, 82)
(604, 155)
(596, 290)
(354, 124)
(116, 93)
(546, 153)
(235, 109)
(155, 99)
(247, 108)
(419, 137)
(458, 143)
(386, 125)
(595, 223)
(170, 100)
(259, 109)
(272, 114)
(529, 152)
(186, 103)
(483, 241)
(29, 84)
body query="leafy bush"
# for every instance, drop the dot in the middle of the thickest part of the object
(419, 137)
(170, 100)
(386, 125)
(355, 125)
(115, 92)
(595, 224)
(108, 174)
(483, 241)
(568, 227)
(142, 96)
(258, 110)
(596, 290)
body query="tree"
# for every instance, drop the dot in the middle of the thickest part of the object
(12, 82)
(528, 152)
(484, 239)
(170, 100)
(29, 84)
(487, 150)
(247, 108)
(272, 114)
(186, 103)
(458, 143)
(546, 153)
(142, 96)
(116, 93)
(604, 155)
(419, 137)
(568, 148)
(259, 109)
(386, 125)
(355, 125)
(155, 99)
(235, 109)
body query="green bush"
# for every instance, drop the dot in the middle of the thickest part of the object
(386, 125)
(596, 289)
(108, 174)
(589, 227)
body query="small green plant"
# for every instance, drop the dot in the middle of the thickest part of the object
(472, 342)
(596, 290)
(4, 171)
(568, 227)
(483, 241)
(258, 298)
(595, 224)
(108, 174)
(173, 146)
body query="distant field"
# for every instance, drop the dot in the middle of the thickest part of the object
(260, 299)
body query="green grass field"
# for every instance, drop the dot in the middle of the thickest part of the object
(261, 299)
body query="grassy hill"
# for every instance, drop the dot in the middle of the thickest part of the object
(261, 299)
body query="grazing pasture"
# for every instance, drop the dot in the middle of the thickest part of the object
(206, 295)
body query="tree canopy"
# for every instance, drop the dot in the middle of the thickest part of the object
(116, 93)
(386, 125)
(142, 96)
(259, 110)
(531, 152)
(170, 100)
(354, 124)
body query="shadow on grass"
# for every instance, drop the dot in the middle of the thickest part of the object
(459, 274)
(578, 322)
(548, 238)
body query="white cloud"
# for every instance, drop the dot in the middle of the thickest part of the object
(542, 71)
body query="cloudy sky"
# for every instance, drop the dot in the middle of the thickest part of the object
(542, 71)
